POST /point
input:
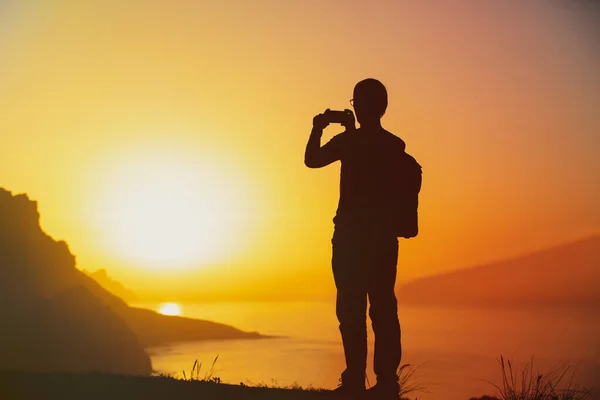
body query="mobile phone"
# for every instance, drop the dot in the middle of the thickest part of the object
(345, 117)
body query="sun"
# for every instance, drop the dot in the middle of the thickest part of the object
(169, 309)
(172, 213)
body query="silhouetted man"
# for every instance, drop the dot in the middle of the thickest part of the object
(365, 244)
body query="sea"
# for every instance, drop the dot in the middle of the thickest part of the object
(452, 354)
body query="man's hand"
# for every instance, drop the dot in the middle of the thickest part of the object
(315, 155)
(320, 122)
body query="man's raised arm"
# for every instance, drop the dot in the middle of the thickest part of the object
(315, 155)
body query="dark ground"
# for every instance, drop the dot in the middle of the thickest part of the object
(46, 386)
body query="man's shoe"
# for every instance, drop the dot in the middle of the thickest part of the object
(381, 391)
(350, 392)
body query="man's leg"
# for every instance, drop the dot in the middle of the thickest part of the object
(383, 311)
(351, 308)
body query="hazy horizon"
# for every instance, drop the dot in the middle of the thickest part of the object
(508, 263)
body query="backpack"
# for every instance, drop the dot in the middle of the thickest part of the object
(409, 179)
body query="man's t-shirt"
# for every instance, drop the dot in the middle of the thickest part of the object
(369, 174)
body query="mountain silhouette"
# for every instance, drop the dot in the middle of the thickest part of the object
(52, 318)
(564, 275)
(113, 286)
(56, 318)
(72, 331)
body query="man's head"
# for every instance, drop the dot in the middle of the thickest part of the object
(370, 100)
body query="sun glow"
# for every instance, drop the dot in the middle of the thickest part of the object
(172, 213)
(169, 309)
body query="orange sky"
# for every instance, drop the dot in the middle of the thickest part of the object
(497, 102)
